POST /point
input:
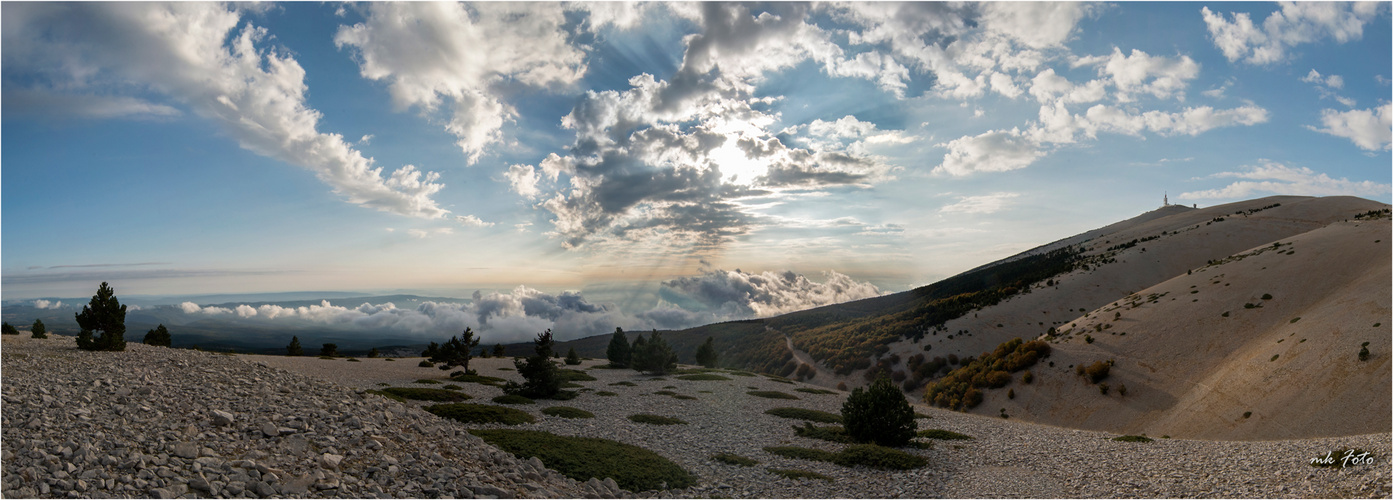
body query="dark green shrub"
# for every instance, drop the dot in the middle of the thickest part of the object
(454, 352)
(8, 329)
(801, 453)
(102, 322)
(480, 414)
(329, 350)
(1274, 357)
(374, 353)
(706, 354)
(1027, 377)
(355, 360)
(567, 412)
(702, 376)
(1097, 371)
(567, 375)
(158, 336)
(772, 394)
(799, 474)
(1364, 351)
(1133, 439)
(294, 349)
(833, 433)
(618, 351)
(425, 364)
(1103, 389)
(426, 381)
(1266, 296)
(810, 390)
(879, 415)
(633, 468)
(647, 418)
(513, 399)
(733, 459)
(942, 435)
(1247, 414)
(39, 331)
(451, 387)
(572, 358)
(387, 395)
(625, 383)
(653, 355)
(478, 379)
(541, 379)
(878, 457)
(606, 393)
(806, 414)
(739, 373)
(426, 394)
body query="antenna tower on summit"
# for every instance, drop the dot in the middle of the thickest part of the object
(1165, 199)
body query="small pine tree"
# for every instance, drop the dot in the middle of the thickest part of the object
(653, 356)
(158, 336)
(879, 415)
(8, 329)
(619, 352)
(329, 350)
(498, 350)
(39, 330)
(541, 378)
(294, 348)
(456, 351)
(572, 358)
(431, 350)
(706, 354)
(374, 353)
(102, 322)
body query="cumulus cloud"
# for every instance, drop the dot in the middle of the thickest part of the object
(429, 233)
(1370, 129)
(472, 221)
(1270, 177)
(459, 56)
(984, 204)
(1296, 23)
(992, 151)
(46, 304)
(737, 294)
(195, 54)
(523, 180)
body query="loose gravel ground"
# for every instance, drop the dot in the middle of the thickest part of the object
(1006, 459)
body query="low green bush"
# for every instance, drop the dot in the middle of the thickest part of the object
(606, 393)
(810, 390)
(387, 395)
(806, 414)
(472, 378)
(942, 434)
(513, 399)
(633, 468)
(451, 387)
(625, 383)
(733, 459)
(800, 453)
(355, 360)
(425, 394)
(574, 376)
(1133, 439)
(470, 413)
(833, 433)
(425, 364)
(772, 394)
(683, 396)
(665, 393)
(702, 376)
(567, 412)
(427, 381)
(648, 418)
(799, 474)
(878, 457)
(741, 373)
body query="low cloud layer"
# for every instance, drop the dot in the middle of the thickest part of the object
(738, 294)
(1272, 177)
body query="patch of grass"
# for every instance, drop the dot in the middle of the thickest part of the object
(702, 376)
(1274, 357)
(1293, 320)
(625, 383)
(733, 459)
(811, 390)
(683, 396)
(739, 373)
(706, 392)
(799, 474)
(513, 399)
(574, 376)
(655, 379)
(470, 413)
(648, 418)
(801, 453)
(571, 385)
(806, 414)
(669, 387)
(780, 380)
(388, 359)
(1133, 439)
(633, 468)
(606, 393)
(921, 415)
(422, 364)
(425, 394)
(451, 387)
(387, 395)
(355, 360)
(942, 434)
(665, 393)
(772, 394)
(478, 379)
(426, 381)
(833, 433)
(567, 412)
(878, 457)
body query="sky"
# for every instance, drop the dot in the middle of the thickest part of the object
(692, 161)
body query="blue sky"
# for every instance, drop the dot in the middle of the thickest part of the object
(651, 156)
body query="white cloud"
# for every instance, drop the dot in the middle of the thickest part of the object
(433, 52)
(738, 294)
(431, 232)
(192, 308)
(1141, 72)
(1271, 177)
(45, 103)
(45, 304)
(1296, 23)
(195, 54)
(472, 221)
(992, 151)
(984, 204)
(523, 180)
(1034, 24)
(1332, 81)
(1370, 129)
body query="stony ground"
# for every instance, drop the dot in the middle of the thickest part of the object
(145, 423)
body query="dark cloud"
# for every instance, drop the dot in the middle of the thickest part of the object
(737, 294)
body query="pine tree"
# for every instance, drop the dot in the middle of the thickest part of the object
(456, 351)
(541, 378)
(158, 336)
(431, 350)
(572, 358)
(374, 353)
(498, 350)
(329, 350)
(618, 351)
(706, 354)
(39, 330)
(294, 348)
(653, 355)
(879, 415)
(8, 329)
(102, 322)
